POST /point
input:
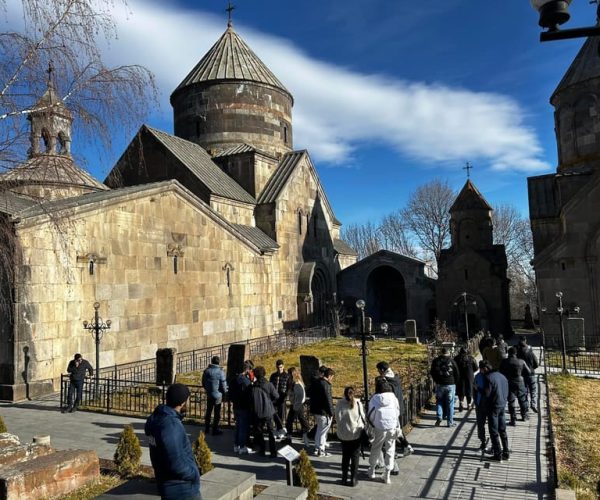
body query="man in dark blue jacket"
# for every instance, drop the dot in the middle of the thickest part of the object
(78, 369)
(495, 398)
(175, 469)
(215, 385)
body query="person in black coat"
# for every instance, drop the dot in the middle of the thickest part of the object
(525, 352)
(514, 369)
(495, 397)
(280, 380)
(263, 396)
(467, 367)
(321, 406)
(77, 369)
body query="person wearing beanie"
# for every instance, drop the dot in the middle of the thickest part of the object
(215, 385)
(175, 469)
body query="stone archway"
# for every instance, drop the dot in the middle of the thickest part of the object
(386, 295)
(320, 294)
(476, 314)
(314, 292)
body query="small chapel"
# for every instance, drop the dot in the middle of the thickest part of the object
(218, 233)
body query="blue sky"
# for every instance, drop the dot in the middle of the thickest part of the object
(388, 95)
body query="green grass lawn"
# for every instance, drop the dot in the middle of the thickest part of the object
(576, 420)
(342, 354)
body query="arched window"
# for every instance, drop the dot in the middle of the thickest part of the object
(45, 141)
(63, 143)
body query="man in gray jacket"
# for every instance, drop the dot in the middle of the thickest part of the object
(215, 385)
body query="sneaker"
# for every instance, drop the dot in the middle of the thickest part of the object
(483, 445)
(284, 431)
(506, 456)
(512, 422)
(324, 453)
(386, 477)
(316, 452)
(409, 450)
(236, 449)
(460, 408)
(438, 422)
(371, 473)
(496, 458)
(451, 424)
(395, 472)
(244, 450)
(534, 409)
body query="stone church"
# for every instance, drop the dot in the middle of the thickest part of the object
(218, 233)
(472, 290)
(564, 207)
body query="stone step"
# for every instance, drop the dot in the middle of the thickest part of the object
(227, 484)
(12, 451)
(49, 475)
(283, 492)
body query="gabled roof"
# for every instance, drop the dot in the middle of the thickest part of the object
(280, 177)
(236, 150)
(50, 169)
(256, 236)
(231, 59)
(198, 161)
(585, 66)
(12, 203)
(470, 198)
(341, 247)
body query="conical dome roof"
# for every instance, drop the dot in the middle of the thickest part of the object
(231, 59)
(585, 66)
(470, 198)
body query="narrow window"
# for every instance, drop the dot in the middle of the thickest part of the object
(91, 267)
(285, 135)
(466, 274)
(563, 266)
(299, 222)
(175, 264)
(315, 226)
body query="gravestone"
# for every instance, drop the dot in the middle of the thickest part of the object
(528, 324)
(410, 329)
(236, 355)
(368, 324)
(309, 368)
(166, 364)
(575, 334)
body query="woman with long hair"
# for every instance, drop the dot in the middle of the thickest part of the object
(350, 420)
(297, 396)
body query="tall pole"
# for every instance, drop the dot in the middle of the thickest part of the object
(361, 305)
(563, 344)
(466, 315)
(97, 341)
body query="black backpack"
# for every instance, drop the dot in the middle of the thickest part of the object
(445, 367)
(261, 404)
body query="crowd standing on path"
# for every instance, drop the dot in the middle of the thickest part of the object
(503, 377)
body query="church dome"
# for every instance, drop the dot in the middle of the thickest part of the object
(230, 98)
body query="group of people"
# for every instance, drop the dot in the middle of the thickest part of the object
(504, 376)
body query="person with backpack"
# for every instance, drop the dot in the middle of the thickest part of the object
(239, 395)
(445, 374)
(525, 352)
(215, 385)
(263, 395)
(467, 367)
(383, 367)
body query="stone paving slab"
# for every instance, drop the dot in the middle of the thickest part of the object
(446, 464)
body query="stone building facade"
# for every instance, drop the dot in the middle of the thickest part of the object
(472, 287)
(564, 207)
(220, 233)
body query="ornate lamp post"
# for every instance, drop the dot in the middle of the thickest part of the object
(563, 345)
(97, 327)
(553, 13)
(360, 304)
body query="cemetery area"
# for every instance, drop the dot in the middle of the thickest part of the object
(576, 420)
(410, 361)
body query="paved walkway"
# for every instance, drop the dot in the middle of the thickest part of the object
(446, 464)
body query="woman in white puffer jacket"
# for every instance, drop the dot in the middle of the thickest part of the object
(383, 414)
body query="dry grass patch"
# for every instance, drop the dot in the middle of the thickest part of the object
(576, 420)
(105, 483)
(342, 354)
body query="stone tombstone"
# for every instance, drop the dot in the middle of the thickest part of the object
(410, 330)
(528, 323)
(574, 334)
(236, 355)
(166, 365)
(309, 368)
(368, 324)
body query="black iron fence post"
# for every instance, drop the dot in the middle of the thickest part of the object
(108, 395)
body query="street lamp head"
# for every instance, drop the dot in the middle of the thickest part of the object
(576, 309)
(96, 305)
(85, 324)
(559, 295)
(360, 303)
(464, 294)
(108, 323)
(553, 13)
(384, 327)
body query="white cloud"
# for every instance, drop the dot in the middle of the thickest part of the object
(336, 110)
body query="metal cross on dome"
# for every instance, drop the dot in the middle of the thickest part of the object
(468, 167)
(230, 8)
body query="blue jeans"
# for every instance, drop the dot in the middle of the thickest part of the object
(242, 427)
(444, 395)
(75, 393)
(497, 428)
